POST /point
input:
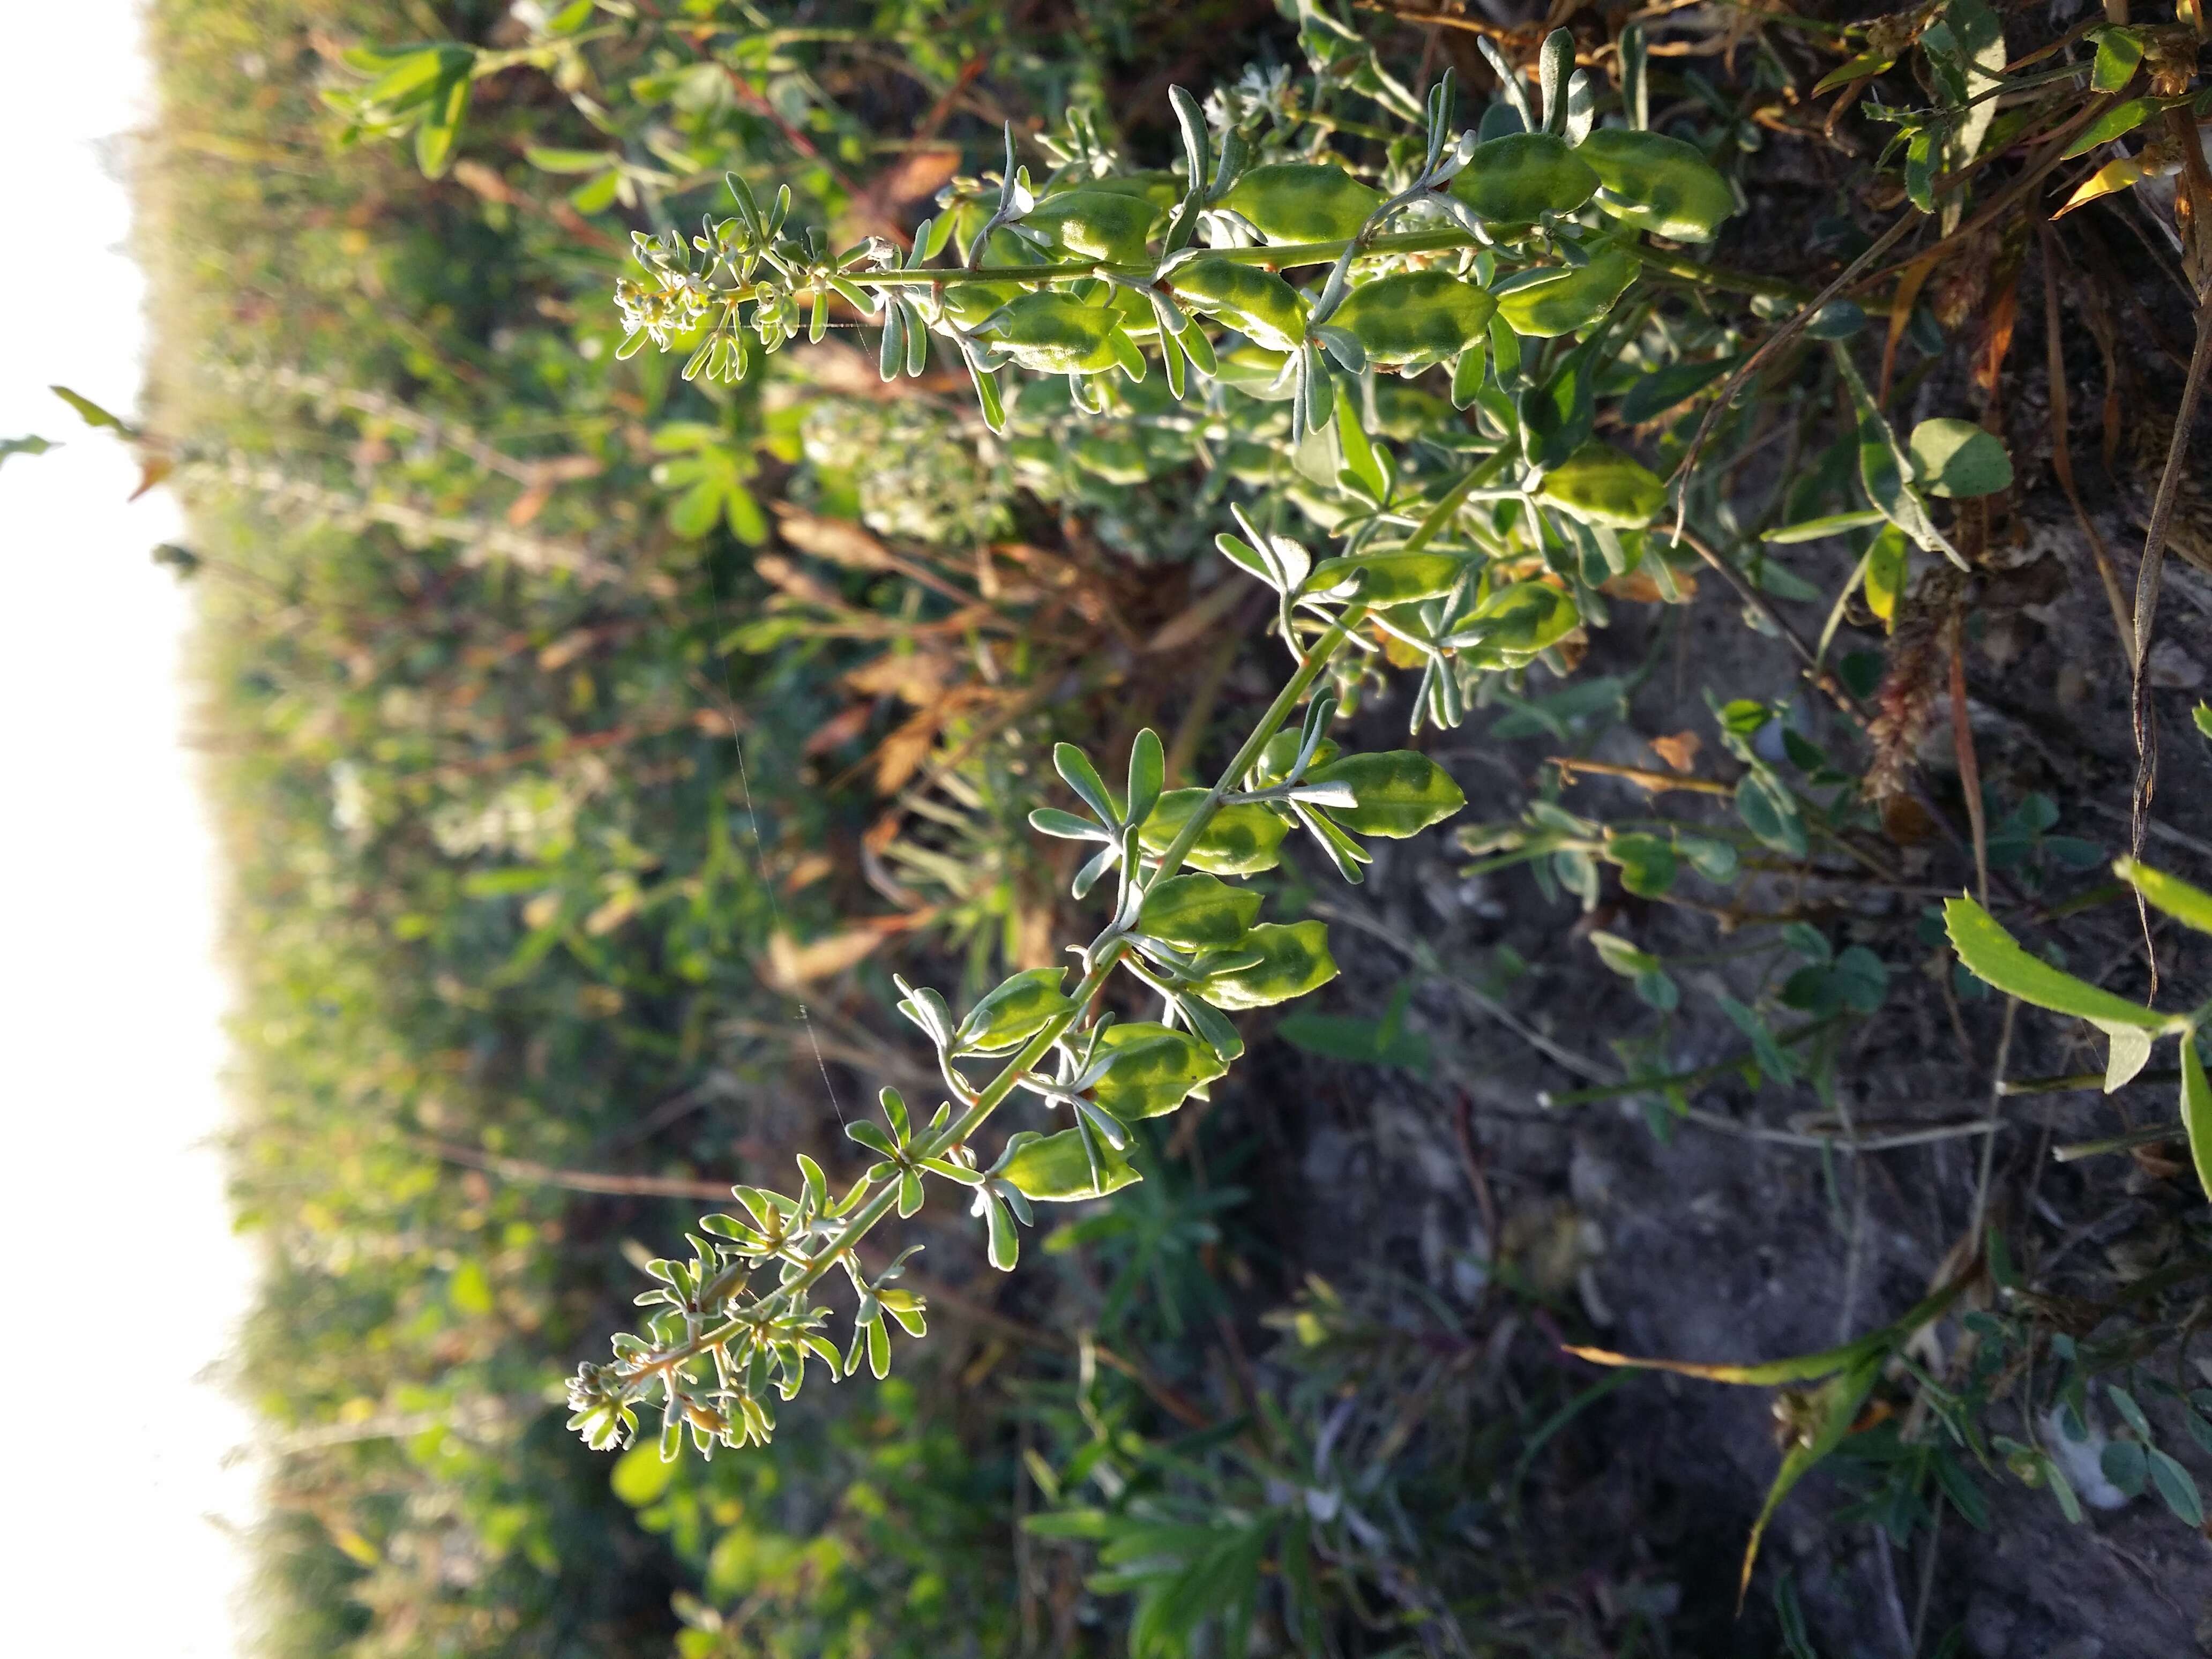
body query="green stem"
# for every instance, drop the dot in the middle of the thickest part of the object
(1170, 861)
(1704, 1074)
(1290, 255)
(995, 1093)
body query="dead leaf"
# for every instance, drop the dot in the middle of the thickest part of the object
(837, 540)
(900, 755)
(1193, 624)
(918, 174)
(1398, 653)
(1638, 588)
(612, 913)
(801, 584)
(791, 964)
(529, 504)
(566, 649)
(838, 730)
(808, 868)
(475, 176)
(1906, 822)
(151, 472)
(717, 722)
(916, 676)
(1680, 752)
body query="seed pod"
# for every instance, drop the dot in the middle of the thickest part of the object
(1600, 485)
(1658, 184)
(1415, 318)
(1260, 304)
(1095, 224)
(1564, 298)
(1057, 334)
(1302, 201)
(1519, 177)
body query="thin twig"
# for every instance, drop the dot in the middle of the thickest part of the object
(2142, 711)
(1970, 765)
(1996, 1111)
(2062, 450)
(1482, 1001)
(1782, 336)
(1656, 782)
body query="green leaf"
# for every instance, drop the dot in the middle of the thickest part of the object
(2190, 906)
(2114, 122)
(1866, 64)
(1647, 864)
(442, 127)
(548, 160)
(2177, 1487)
(1302, 201)
(1521, 620)
(2196, 1110)
(1147, 774)
(1600, 485)
(1012, 1012)
(1199, 910)
(1383, 580)
(743, 514)
(1095, 224)
(1664, 389)
(1237, 841)
(1400, 793)
(1555, 299)
(1957, 458)
(1658, 184)
(1415, 319)
(1888, 562)
(2125, 1465)
(1992, 955)
(1294, 959)
(471, 1290)
(1282, 753)
(2202, 715)
(1362, 1042)
(31, 445)
(1772, 1059)
(1622, 957)
(1052, 333)
(697, 510)
(1518, 179)
(1769, 812)
(2119, 50)
(1056, 1169)
(93, 415)
(1883, 468)
(1835, 1408)
(640, 1476)
(1152, 1069)
(1812, 530)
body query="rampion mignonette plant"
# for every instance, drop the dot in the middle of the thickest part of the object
(1508, 256)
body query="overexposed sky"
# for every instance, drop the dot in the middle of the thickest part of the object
(120, 1283)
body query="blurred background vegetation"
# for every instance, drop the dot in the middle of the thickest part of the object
(531, 951)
